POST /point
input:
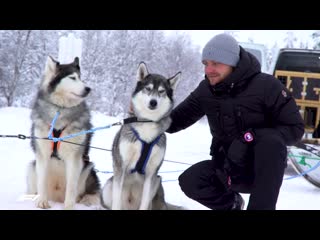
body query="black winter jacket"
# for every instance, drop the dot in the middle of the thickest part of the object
(246, 99)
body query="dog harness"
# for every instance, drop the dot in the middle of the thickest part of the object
(145, 153)
(55, 145)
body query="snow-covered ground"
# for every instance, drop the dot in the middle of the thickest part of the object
(188, 147)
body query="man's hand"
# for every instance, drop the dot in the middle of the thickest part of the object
(239, 147)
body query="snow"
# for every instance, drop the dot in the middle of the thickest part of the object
(187, 147)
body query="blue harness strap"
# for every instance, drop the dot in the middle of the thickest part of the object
(145, 153)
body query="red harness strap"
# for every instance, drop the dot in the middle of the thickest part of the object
(56, 145)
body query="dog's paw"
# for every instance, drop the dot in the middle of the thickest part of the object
(42, 203)
(90, 199)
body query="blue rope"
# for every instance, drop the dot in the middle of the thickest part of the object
(305, 172)
(106, 172)
(155, 141)
(75, 134)
(52, 124)
(80, 133)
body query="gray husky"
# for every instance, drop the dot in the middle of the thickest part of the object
(62, 171)
(139, 147)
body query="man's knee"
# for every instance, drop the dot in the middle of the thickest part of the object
(183, 182)
(273, 148)
(191, 178)
(187, 180)
(272, 143)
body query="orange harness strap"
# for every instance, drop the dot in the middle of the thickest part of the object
(56, 145)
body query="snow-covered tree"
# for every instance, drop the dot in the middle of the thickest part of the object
(271, 56)
(13, 57)
(109, 63)
(290, 40)
(22, 57)
(316, 39)
(122, 65)
(111, 59)
(181, 56)
(94, 67)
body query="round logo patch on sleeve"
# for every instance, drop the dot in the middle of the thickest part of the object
(248, 137)
(284, 93)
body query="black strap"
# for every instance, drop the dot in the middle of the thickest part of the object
(143, 156)
(134, 119)
(145, 152)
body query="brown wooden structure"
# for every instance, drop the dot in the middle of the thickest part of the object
(305, 88)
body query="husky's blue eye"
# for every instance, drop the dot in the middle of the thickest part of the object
(73, 78)
(161, 91)
(148, 89)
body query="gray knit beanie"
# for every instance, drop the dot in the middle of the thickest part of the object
(222, 48)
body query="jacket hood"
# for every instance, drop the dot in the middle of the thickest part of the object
(247, 67)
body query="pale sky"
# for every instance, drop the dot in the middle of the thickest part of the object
(266, 37)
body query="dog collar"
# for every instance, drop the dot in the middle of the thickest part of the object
(134, 119)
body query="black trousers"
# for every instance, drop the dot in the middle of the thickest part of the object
(202, 183)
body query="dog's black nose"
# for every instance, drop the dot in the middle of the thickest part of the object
(87, 89)
(153, 104)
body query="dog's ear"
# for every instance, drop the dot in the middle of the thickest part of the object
(51, 65)
(173, 81)
(142, 71)
(76, 61)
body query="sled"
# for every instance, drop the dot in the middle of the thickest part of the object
(305, 160)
